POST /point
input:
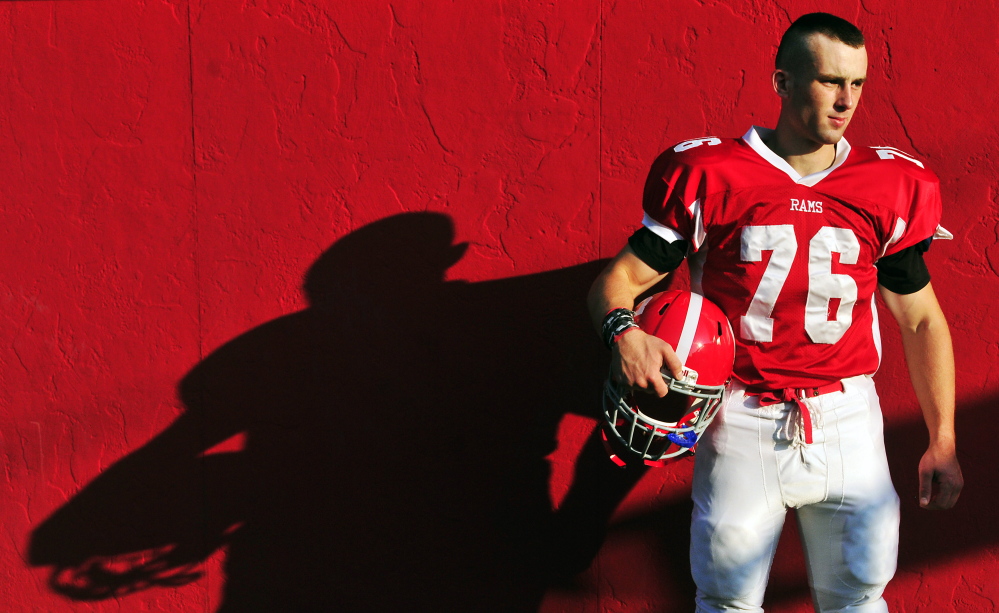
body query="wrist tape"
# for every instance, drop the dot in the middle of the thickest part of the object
(616, 323)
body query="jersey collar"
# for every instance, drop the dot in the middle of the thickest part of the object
(754, 138)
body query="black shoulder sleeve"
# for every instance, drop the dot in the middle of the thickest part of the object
(904, 272)
(656, 251)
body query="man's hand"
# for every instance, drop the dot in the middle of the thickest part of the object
(637, 359)
(940, 479)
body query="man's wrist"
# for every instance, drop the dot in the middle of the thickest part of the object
(626, 330)
(616, 323)
(946, 442)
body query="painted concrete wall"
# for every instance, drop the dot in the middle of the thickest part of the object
(291, 304)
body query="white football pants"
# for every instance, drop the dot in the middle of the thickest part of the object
(748, 471)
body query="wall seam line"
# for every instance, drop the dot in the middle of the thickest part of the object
(196, 230)
(600, 129)
(194, 184)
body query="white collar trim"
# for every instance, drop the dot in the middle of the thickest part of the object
(754, 138)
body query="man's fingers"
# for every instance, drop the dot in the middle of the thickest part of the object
(948, 489)
(659, 384)
(925, 487)
(671, 361)
(650, 385)
(940, 502)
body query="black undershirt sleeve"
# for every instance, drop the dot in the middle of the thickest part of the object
(656, 251)
(904, 272)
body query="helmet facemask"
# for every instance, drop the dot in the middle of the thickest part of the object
(654, 430)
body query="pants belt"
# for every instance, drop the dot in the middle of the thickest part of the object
(797, 396)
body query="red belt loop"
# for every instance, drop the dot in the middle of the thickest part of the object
(797, 395)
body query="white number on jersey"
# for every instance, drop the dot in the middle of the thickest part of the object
(697, 142)
(823, 285)
(756, 324)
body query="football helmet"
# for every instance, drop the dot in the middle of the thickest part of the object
(642, 426)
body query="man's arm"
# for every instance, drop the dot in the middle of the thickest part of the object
(637, 357)
(930, 358)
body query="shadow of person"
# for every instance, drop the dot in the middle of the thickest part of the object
(395, 434)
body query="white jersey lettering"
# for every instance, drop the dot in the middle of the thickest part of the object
(823, 285)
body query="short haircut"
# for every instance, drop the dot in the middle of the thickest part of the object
(793, 53)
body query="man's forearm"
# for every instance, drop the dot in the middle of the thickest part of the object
(618, 285)
(608, 292)
(930, 358)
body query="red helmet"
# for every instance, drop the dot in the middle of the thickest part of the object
(643, 426)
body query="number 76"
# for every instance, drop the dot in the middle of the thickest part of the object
(823, 284)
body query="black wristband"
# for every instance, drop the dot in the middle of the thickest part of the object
(615, 323)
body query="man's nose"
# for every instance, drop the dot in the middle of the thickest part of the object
(847, 99)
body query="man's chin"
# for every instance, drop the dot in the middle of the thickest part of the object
(824, 137)
(831, 136)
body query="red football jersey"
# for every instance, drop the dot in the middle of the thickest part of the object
(790, 259)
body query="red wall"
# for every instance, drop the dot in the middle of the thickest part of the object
(398, 440)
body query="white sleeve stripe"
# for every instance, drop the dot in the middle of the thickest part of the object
(876, 331)
(899, 231)
(941, 233)
(662, 231)
(700, 234)
(895, 236)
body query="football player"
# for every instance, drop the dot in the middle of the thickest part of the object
(790, 231)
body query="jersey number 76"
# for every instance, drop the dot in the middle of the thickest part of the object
(823, 285)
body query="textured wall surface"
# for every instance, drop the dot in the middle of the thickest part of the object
(183, 427)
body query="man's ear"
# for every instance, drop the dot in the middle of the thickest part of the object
(781, 80)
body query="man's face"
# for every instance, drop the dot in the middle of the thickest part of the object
(823, 95)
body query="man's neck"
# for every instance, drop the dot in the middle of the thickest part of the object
(805, 157)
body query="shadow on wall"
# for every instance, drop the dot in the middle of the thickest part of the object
(395, 441)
